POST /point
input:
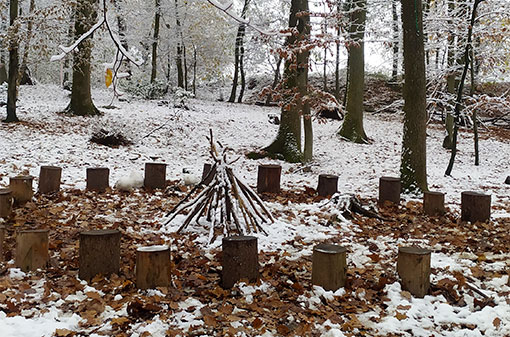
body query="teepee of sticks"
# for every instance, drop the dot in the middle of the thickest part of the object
(229, 204)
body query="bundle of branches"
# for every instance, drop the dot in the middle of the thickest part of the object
(229, 204)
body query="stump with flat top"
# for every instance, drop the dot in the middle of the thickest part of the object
(413, 267)
(268, 179)
(152, 267)
(21, 187)
(389, 189)
(155, 175)
(475, 207)
(5, 202)
(433, 203)
(206, 177)
(507, 180)
(32, 249)
(329, 266)
(2, 238)
(49, 179)
(99, 253)
(328, 185)
(98, 179)
(239, 260)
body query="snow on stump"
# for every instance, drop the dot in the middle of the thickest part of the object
(207, 175)
(328, 185)
(155, 175)
(240, 260)
(5, 202)
(389, 189)
(329, 266)
(99, 253)
(32, 249)
(49, 179)
(2, 237)
(268, 179)
(475, 207)
(21, 187)
(98, 179)
(413, 268)
(152, 267)
(433, 203)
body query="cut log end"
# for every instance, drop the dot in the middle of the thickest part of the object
(98, 179)
(153, 267)
(21, 187)
(413, 267)
(389, 190)
(475, 207)
(328, 185)
(268, 178)
(99, 253)
(32, 249)
(49, 179)
(329, 266)
(155, 176)
(433, 203)
(239, 260)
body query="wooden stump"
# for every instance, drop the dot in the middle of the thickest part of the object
(5, 202)
(413, 267)
(475, 207)
(329, 266)
(49, 179)
(268, 179)
(21, 188)
(2, 238)
(32, 249)
(433, 203)
(155, 175)
(207, 180)
(240, 260)
(99, 253)
(152, 267)
(328, 185)
(98, 179)
(507, 180)
(389, 189)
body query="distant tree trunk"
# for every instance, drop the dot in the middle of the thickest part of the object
(155, 41)
(352, 127)
(185, 63)
(81, 98)
(194, 70)
(24, 74)
(460, 88)
(394, 71)
(13, 67)
(238, 54)
(276, 79)
(413, 167)
(243, 75)
(179, 57)
(325, 65)
(337, 50)
(450, 81)
(288, 140)
(121, 24)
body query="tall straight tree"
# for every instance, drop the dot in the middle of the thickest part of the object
(81, 99)
(394, 14)
(413, 166)
(155, 38)
(295, 83)
(13, 67)
(239, 56)
(352, 127)
(179, 58)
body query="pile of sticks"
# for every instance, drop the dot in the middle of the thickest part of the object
(229, 205)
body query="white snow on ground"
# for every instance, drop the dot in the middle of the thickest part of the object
(178, 138)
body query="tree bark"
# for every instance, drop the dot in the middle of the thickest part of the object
(49, 179)
(450, 81)
(352, 127)
(394, 70)
(288, 141)
(153, 267)
(32, 249)
(21, 188)
(413, 167)
(5, 202)
(329, 266)
(179, 56)
(413, 267)
(155, 38)
(99, 253)
(81, 99)
(238, 55)
(24, 75)
(12, 92)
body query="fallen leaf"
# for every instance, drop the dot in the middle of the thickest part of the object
(257, 323)
(400, 316)
(496, 322)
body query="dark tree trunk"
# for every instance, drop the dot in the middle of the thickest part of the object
(238, 56)
(394, 71)
(276, 79)
(413, 167)
(121, 24)
(450, 82)
(288, 141)
(13, 67)
(81, 98)
(24, 76)
(155, 38)
(352, 128)
(180, 49)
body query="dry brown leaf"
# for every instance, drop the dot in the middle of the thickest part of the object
(496, 322)
(257, 323)
(210, 321)
(400, 316)
(119, 321)
(63, 333)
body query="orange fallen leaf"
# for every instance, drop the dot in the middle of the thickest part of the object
(496, 322)
(257, 323)
(400, 316)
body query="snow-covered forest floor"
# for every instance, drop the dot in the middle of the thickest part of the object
(470, 292)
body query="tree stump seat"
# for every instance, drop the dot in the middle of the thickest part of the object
(153, 267)
(155, 176)
(268, 178)
(413, 268)
(32, 249)
(433, 203)
(475, 206)
(329, 266)
(49, 179)
(21, 187)
(328, 185)
(389, 190)
(98, 179)
(99, 253)
(5, 202)
(239, 260)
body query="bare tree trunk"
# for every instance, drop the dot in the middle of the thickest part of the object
(179, 57)
(81, 99)
(238, 54)
(155, 41)
(413, 167)
(450, 81)
(276, 79)
(243, 76)
(458, 103)
(12, 94)
(352, 127)
(24, 75)
(121, 24)
(194, 70)
(394, 71)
